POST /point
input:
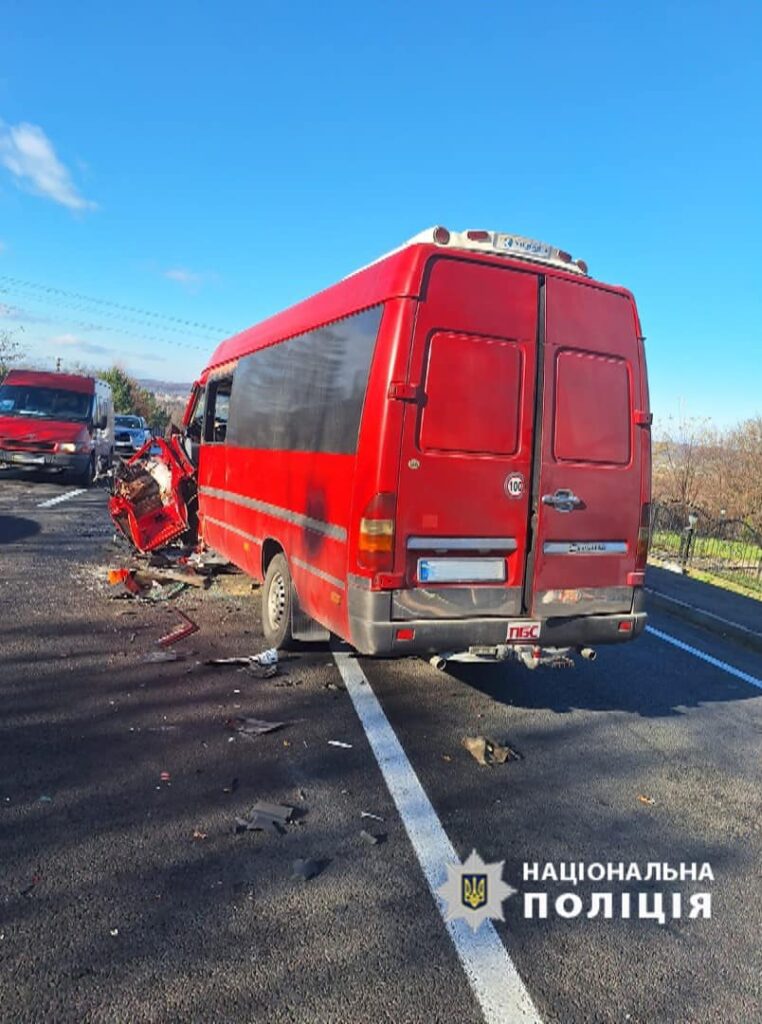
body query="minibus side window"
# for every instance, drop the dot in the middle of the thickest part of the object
(217, 410)
(196, 422)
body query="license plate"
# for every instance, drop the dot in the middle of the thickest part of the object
(28, 460)
(461, 570)
(523, 246)
(522, 631)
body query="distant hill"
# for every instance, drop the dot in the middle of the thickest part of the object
(166, 388)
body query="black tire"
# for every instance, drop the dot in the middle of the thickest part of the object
(86, 477)
(277, 598)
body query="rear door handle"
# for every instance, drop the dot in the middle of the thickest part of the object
(563, 500)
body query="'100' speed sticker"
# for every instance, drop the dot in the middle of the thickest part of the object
(514, 485)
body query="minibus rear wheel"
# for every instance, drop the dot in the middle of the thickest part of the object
(277, 598)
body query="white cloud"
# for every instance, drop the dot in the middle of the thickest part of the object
(191, 280)
(29, 155)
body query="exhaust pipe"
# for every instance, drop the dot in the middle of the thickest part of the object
(439, 661)
(588, 653)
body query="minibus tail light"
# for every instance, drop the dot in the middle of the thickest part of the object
(644, 537)
(375, 549)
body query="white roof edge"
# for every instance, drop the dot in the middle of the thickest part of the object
(497, 244)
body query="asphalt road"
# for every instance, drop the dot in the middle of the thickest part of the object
(125, 897)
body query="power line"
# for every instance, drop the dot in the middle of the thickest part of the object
(50, 290)
(27, 296)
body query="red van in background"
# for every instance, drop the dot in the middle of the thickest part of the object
(56, 422)
(447, 452)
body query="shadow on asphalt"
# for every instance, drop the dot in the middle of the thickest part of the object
(644, 678)
(14, 528)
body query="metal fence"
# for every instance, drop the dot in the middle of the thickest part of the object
(728, 548)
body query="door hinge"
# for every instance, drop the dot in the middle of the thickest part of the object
(403, 392)
(643, 419)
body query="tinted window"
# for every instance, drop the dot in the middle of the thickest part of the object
(44, 403)
(217, 410)
(307, 393)
(129, 422)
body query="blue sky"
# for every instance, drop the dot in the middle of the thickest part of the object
(215, 163)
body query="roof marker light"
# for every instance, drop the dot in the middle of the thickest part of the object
(564, 256)
(478, 236)
(582, 265)
(441, 236)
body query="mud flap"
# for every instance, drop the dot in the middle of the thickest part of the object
(304, 628)
(154, 496)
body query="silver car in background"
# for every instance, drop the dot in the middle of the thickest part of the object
(130, 434)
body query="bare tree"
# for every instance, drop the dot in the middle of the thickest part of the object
(681, 460)
(10, 349)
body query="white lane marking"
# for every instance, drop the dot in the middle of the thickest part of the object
(706, 657)
(61, 497)
(493, 978)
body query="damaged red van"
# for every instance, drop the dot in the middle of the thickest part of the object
(448, 452)
(56, 422)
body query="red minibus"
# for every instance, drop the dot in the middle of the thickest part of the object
(448, 452)
(56, 422)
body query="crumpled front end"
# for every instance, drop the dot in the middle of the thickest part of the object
(154, 495)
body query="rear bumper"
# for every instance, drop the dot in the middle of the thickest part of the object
(45, 461)
(372, 630)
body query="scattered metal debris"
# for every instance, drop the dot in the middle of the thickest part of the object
(306, 868)
(265, 664)
(265, 817)
(487, 752)
(154, 496)
(28, 889)
(373, 838)
(340, 743)
(368, 814)
(188, 628)
(253, 726)
(159, 656)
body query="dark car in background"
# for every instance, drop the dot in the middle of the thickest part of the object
(130, 434)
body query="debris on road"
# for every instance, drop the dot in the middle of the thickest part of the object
(306, 868)
(152, 495)
(648, 800)
(188, 628)
(340, 743)
(265, 817)
(44, 799)
(198, 834)
(232, 787)
(267, 661)
(487, 752)
(368, 814)
(114, 932)
(159, 656)
(28, 889)
(253, 726)
(373, 838)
